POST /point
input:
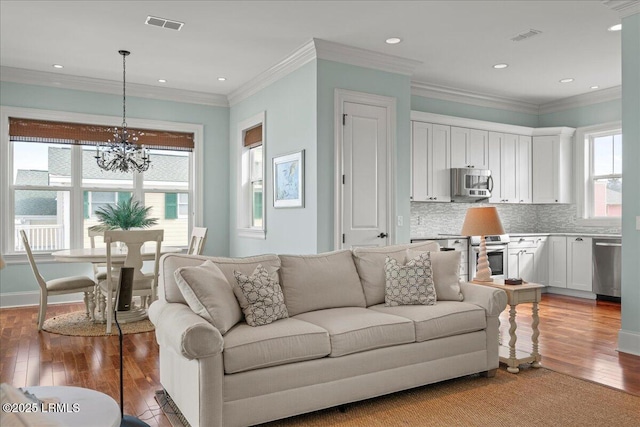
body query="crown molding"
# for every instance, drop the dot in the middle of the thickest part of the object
(304, 54)
(623, 7)
(364, 58)
(586, 99)
(440, 119)
(474, 98)
(42, 78)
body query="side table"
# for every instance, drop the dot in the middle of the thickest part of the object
(516, 294)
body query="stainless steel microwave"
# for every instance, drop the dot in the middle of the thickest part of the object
(470, 184)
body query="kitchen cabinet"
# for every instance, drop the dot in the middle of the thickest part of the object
(527, 259)
(552, 165)
(579, 263)
(509, 160)
(469, 148)
(430, 160)
(557, 250)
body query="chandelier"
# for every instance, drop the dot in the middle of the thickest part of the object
(122, 153)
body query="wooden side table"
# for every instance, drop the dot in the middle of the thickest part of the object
(516, 294)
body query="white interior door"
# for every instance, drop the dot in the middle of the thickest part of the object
(365, 175)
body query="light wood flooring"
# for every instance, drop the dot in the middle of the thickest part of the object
(577, 337)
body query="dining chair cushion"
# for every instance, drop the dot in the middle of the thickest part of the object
(102, 275)
(68, 283)
(209, 294)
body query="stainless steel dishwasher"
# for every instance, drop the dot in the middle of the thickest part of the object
(607, 267)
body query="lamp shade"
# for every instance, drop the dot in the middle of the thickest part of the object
(482, 221)
(1, 262)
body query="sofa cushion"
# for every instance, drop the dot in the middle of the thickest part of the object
(370, 265)
(315, 282)
(260, 297)
(445, 318)
(355, 329)
(446, 273)
(209, 294)
(278, 343)
(411, 283)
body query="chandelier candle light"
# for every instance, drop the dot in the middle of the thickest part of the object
(482, 221)
(122, 153)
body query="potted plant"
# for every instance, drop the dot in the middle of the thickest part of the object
(124, 216)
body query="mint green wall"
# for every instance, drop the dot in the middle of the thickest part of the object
(630, 331)
(18, 278)
(603, 112)
(457, 109)
(332, 75)
(290, 106)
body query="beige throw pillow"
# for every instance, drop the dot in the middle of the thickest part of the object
(446, 273)
(409, 284)
(260, 297)
(209, 294)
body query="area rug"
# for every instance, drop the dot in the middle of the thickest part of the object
(534, 397)
(77, 324)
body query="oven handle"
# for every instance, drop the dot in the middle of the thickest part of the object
(494, 248)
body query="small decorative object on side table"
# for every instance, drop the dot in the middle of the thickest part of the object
(516, 294)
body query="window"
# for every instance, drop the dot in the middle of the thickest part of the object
(251, 208)
(56, 186)
(599, 168)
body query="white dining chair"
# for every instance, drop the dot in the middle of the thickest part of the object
(61, 286)
(144, 284)
(99, 269)
(197, 241)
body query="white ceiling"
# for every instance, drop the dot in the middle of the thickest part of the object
(456, 41)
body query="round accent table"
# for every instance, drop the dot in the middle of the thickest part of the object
(77, 406)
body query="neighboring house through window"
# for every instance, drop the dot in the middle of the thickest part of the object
(252, 149)
(599, 174)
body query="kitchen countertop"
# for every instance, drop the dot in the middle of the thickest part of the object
(457, 236)
(438, 237)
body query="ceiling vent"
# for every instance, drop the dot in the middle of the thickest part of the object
(164, 23)
(525, 35)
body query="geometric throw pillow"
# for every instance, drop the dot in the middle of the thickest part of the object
(409, 284)
(260, 297)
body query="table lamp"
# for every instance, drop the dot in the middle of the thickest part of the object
(1, 262)
(482, 221)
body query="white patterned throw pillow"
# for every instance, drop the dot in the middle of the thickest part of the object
(260, 297)
(409, 284)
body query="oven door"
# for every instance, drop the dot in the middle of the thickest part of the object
(497, 255)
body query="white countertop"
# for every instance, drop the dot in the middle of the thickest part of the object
(454, 236)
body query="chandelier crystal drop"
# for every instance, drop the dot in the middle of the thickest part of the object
(122, 153)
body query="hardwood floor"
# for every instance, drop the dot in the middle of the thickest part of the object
(577, 337)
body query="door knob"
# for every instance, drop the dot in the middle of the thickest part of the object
(382, 235)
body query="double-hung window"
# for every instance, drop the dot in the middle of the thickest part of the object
(55, 185)
(599, 168)
(251, 188)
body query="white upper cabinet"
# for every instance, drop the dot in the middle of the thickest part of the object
(430, 159)
(469, 148)
(510, 165)
(552, 165)
(524, 189)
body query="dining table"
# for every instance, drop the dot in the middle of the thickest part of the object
(118, 257)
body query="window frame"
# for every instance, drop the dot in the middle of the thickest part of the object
(244, 204)
(77, 215)
(584, 176)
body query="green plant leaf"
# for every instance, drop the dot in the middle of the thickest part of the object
(124, 216)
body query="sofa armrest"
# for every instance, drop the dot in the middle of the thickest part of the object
(178, 327)
(491, 299)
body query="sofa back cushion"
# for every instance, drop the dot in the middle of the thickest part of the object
(370, 266)
(171, 262)
(314, 282)
(446, 273)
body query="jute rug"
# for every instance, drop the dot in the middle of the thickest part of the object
(77, 324)
(534, 397)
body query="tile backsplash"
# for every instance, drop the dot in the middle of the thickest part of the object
(447, 218)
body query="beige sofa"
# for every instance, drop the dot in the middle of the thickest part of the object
(339, 344)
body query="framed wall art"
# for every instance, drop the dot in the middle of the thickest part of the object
(288, 180)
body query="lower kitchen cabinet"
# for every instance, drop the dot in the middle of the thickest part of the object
(557, 261)
(528, 259)
(579, 263)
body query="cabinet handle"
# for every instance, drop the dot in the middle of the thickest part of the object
(556, 200)
(435, 198)
(456, 241)
(521, 201)
(521, 240)
(578, 239)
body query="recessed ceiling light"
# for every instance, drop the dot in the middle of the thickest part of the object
(57, 66)
(566, 80)
(500, 66)
(594, 87)
(616, 27)
(393, 40)
(162, 81)
(222, 79)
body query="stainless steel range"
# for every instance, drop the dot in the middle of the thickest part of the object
(496, 252)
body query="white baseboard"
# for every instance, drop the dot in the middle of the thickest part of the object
(21, 299)
(629, 342)
(570, 292)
